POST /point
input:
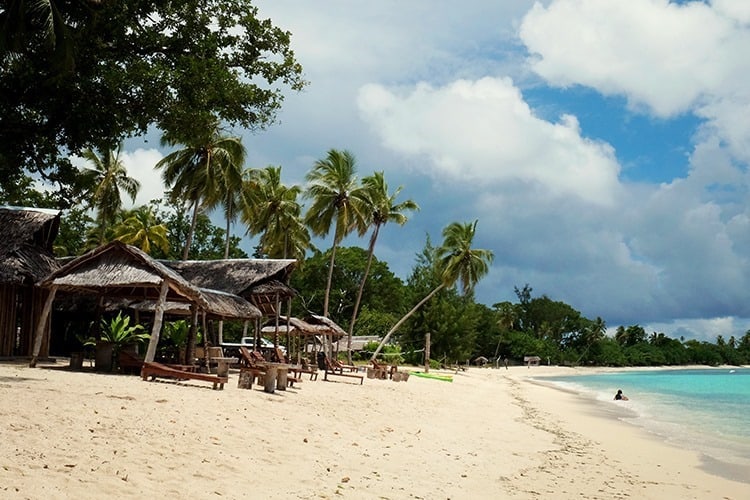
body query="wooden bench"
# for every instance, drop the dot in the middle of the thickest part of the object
(154, 370)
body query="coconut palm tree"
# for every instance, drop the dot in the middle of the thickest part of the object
(229, 194)
(139, 228)
(458, 263)
(107, 177)
(202, 171)
(272, 210)
(336, 199)
(381, 208)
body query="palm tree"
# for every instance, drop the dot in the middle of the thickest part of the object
(229, 195)
(272, 209)
(381, 208)
(336, 196)
(457, 262)
(202, 172)
(107, 177)
(140, 229)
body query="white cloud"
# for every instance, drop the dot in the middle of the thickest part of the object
(483, 132)
(661, 55)
(140, 165)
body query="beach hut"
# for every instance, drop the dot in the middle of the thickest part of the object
(532, 360)
(121, 271)
(262, 282)
(25, 258)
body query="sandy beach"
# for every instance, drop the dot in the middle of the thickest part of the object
(488, 434)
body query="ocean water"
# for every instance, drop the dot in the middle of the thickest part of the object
(705, 410)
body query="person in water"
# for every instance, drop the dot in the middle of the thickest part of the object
(620, 396)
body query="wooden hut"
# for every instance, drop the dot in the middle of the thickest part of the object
(262, 282)
(25, 258)
(117, 270)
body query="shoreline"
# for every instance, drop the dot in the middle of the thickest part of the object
(723, 468)
(491, 433)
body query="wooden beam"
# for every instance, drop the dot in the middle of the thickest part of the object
(40, 326)
(158, 318)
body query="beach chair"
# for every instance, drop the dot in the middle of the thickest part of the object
(331, 369)
(249, 363)
(296, 370)
(343, 367)
(129, 362)
(154, 370)
(383, 371)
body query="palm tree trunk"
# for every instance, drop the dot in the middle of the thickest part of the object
(370, 252)
(329, 338)
(330, 278)
(229, 225)
(189, 238)
(407, 316)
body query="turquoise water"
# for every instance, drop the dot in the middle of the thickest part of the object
(706, 410)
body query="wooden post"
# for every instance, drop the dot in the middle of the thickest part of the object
(158, 318)
(192, 335)
(427, 353)
(40, 327)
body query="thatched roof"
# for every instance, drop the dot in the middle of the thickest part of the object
(333, 328)
(26, 246)
(237, 276)
(221, 305)
(260, 281)
(120, 270)
(296, 327)
(117, 270)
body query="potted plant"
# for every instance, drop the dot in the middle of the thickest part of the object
(116, 334)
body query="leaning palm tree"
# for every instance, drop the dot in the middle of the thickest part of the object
(139, 228)
(107, 177)
(201, 172)
(381, 208)
(336, 199)
(457, 262)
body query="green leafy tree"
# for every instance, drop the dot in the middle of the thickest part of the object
(71, 238)
(208, 240)
(141, 229)
(457, 262)
(87, 74)
(384, 292)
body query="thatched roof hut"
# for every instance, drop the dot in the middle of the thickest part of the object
(294, 326)
(25, 258)
(117, 270)
(332, 328)
(261, 281)
(26, 246)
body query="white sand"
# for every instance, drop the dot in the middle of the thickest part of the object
(489, 434)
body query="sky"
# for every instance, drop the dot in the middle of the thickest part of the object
(603, 146)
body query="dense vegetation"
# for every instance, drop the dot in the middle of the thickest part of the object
(77, 78)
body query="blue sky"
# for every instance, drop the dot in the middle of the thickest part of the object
(602, 145)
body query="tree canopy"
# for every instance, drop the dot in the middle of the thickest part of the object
(86, 74)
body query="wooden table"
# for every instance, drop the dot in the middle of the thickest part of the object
(276, 376)
(222, 365)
